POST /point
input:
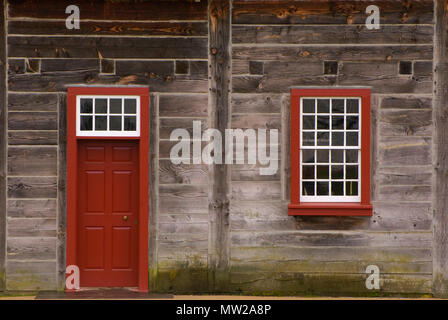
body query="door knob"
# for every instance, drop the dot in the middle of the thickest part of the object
(125, 218)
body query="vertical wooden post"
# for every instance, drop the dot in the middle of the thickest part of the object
(62, 192)
(219, 118)
(440, 117)
(3, 138)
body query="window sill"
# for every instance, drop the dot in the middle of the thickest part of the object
(329, 209)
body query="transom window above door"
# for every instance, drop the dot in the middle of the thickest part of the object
(117, 116)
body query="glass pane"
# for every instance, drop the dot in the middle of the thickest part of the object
(351, 138)
(322, 188)
(130, 123)
(101, 123)
(337, 105)
(337, 138)
(352, 105)
(351, 188)
(308, 172)
(308, 188)
(351, 172)
(351, 156)
(352, 122)
(323, 122)
(337, 188)
(308, 139)
(323, 139)
(115, 123)
(337, 122)
(307, 156)
(308, 122)
(308, 105)
(322, 172)
(86, 123)
(86, 106)
(323, 106)
(130, 106)
(337, 172)
(323, 156)
(115, 105)
(100, 105)
(337, 156)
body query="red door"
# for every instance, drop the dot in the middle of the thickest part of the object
(107, 221)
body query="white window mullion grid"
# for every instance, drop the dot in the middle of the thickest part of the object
(315, 147)
(108, 114)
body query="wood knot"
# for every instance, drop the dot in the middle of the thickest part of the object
(214, 51)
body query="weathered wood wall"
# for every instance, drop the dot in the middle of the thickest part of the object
(279, 45)
(158, 44)
(230, 219)
(2, 146)
(440, 223)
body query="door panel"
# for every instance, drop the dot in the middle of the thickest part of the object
(108, 200)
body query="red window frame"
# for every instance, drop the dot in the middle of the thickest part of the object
(72, 171)
(362, 208)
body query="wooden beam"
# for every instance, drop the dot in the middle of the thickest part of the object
(3, 143)
(219, 118)
(440, 117)
(62, 193)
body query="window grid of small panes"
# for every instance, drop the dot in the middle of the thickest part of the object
(330, 149)
(108, 116)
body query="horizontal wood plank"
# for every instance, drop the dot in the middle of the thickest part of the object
(328, 12)
(31, 227)
(23, 161)
(32, 187)
(32, 137)
(32, 102)
(31, 208)
(32, 121)
(107, 47)
(31, 248)
(109, 10)
(116, 28)
(348, 34)
(315, 53)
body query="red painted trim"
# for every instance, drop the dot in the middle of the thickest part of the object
(72, 169)
(363, 208)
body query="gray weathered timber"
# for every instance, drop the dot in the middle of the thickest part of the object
(90, 47)
(153, 214)
(31, 227)
(314, 53)
(406, 102)
(32, 187)
(440, 271)
(61, 221)
(323, 12)
(342, 34)
(32, 102)
(405, 123)
(33, 137)
(102, 10)
(183, 105)
(32, 161)
(36, 208)
(31, 275)
(3, 143)
(182, 173)
(219, 110)
(179, 29)
(32, 121)
(31, 248)
(256, 103)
